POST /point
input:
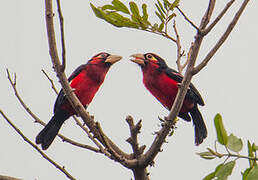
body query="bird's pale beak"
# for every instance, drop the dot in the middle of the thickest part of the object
(112, 59)
(138, 59)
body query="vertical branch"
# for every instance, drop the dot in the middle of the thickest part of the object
(180, 67)
(207, 16)
(62, 35)
(74, 101)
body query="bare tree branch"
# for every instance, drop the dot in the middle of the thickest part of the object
(223, 12)
(62, 169)
(37, 120)
(222, 39)
(187, 19)
(64, 82)
(207, 16)
(101, 149)
(170, 121)
(61, 19)
(51, 81)
(180, 67)
(126, 162)
(133, 140)
(8, 178)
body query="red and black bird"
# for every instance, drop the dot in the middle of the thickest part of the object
(85, 81)
(163, 82)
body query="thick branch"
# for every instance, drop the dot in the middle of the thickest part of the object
(62, 169)
(133, 139)
(63, 80)
(8, 178)
(101, 149)
(222, 39)
(126, 162)
(141, 174)
(149, 156)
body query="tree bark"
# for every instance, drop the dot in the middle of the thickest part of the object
(140, 174)
(8, 178)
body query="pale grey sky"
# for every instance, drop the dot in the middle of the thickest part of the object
(228, 85)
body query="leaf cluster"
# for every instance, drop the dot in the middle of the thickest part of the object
(233, 146)
(131, 16)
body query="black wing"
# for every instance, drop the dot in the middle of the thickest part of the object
(61, 98)
(192, 92)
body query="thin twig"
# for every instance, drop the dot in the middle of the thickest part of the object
(37, 120)
(222, 39)
(51, 81)
(61, 168)
(164, 34)
(187, 19)
(223, 12)
(179, 54)
(188, 56)
(61, 19)
(101, 149)
(207, 16)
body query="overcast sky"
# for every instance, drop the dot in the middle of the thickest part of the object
(228, 85)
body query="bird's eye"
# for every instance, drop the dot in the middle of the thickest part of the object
(103, 55)
(149, 56)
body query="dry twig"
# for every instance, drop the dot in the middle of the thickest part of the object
(222, 38)
(37, 120)
(61, 168)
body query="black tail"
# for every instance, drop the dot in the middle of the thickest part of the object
(199, 125)
(48, 134)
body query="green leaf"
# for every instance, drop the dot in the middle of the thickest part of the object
(212, 175)
(114, 19)
(166, 4)
(253, 174)
(108, 6)
(209, 176)
(225, 170)
(120, 21)
(160, 17)
(134, 9)
(234, 144)
(174, 4)
(245, 174)
(155, 27)
(161, 7)
(160, 11)
(145, 15)
(161, 26)
(171, 16)
(254, 147)
(97, 11)
(221, 132)
(206, 155)
(120, 6)
(250, 153)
